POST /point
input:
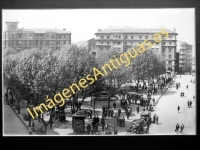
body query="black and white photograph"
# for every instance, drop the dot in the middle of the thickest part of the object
(99, 72)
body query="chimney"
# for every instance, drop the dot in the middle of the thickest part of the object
(99, 30)
(174, 30)
(64, 29)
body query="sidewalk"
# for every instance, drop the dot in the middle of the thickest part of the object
(66, 128)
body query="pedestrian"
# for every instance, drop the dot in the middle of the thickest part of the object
(183, 94)
(177, 127)
(138, 108)
(33, 126)
(128, 115)
(114, 105)
(143, 109)
(180, 76)
(123, 122)
(182, 127)
(187, 86)
(119, 112)
(188, 103)
(178, 108)
(154, 118)
(88, 129)
(103, 124)
(112, 111)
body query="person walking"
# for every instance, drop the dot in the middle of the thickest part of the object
(177, 127)
(119, 112)
(138, 108)
(123, 122)
(188, 102)
(187, 86)
(178, 108)
(103, 124)
(33, 126)
(88, 129)
(114, 105)
(154, 118)
(182, 127)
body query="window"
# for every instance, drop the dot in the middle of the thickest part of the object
(59, 36)
(101, 43)
(108, 43)
(131, 43)
(120, 37)
(170, 56)
(36, 42)
(118, 49)
(140, 37)
(64, 42)
(170, 43)
(170, 37)
(131, 37)
(40, 42)
(170, 50)
(125, 37)
(20, 42)
(125, 43)
(47, 42)
(164, 55)
(108, 37)
(118, 43)
(170, 62)
(64, 36)
(101, 37)
(164, 43)
(146, 37)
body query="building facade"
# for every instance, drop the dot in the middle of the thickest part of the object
(185, 56)
(20, 39)
(121, 40)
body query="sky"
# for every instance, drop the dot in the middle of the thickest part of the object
(84, 23)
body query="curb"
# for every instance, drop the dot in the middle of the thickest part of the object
(20, 117)
(164, 91)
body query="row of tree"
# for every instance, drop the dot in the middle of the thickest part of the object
(32, 74)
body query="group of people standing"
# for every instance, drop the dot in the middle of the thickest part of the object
(107, 112)
(179, 127)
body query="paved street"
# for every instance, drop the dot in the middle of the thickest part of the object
(12, 123)
(166, 109)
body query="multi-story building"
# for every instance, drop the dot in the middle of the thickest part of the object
(34, 38)
(121, 40)
(185, 56)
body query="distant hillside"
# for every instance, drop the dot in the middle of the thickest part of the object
(82, 43)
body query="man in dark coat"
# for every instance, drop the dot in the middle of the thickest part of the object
(188, 103)
(138, 109)
(123, 122)
(88, 129)
(182, 127)
(119, 112)
(154, 118)
(178, 108)
(33, 126)
(114, 105)
(187, 86)
(177, 127)
(103, 124)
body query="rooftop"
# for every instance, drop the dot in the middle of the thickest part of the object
(132, 30)
(44, 31)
